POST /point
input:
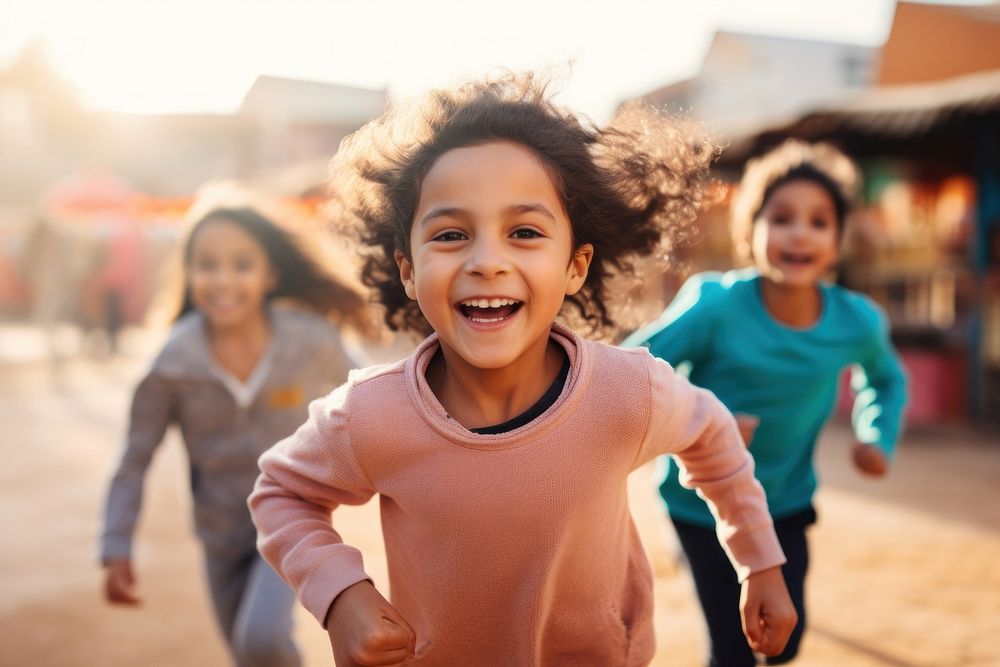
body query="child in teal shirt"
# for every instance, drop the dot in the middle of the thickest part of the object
(771, 342)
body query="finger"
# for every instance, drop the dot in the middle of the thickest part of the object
(411, 645)
(395, 635)
(395, 656)
(752, 625)
(122, 596)
(383, 648)
(121, 589)
(747, 425)
(764, 642)
(393, 616)
(870, 460)
(877, 462)
(777, 633)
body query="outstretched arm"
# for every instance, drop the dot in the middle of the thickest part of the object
(148, 420)
(879, 386)
(694, 426)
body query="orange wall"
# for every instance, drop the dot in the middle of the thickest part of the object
(930, 42)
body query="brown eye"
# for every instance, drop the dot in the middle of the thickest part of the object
(526, 233)
(450, 236)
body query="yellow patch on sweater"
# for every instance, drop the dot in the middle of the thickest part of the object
(283, 398)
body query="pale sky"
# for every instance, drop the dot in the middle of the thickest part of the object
(202, 55)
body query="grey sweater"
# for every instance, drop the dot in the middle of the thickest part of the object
(225, 426)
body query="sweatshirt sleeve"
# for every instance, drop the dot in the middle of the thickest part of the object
(149, 417)
(879, 386)
(691, 424)
(682, 333)
(303, 479)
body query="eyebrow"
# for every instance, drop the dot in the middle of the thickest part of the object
(444, 212)
(517, 209)
(512, 210)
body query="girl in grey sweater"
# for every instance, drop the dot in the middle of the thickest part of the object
(236, 375)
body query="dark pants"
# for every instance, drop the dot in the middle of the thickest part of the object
(719, 591)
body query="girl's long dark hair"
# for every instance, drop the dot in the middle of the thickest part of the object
(301, 276)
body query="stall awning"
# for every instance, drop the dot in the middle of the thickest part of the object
(889, 114)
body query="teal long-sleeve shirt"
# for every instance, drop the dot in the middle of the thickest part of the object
(787, 377)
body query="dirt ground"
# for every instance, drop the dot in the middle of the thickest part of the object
(905, 571)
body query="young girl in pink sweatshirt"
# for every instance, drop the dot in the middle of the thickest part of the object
(501, 447)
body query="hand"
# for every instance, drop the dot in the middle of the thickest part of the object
(870, 460)
(748, 426)
(767, 611)
(119, 582)
(366, 630)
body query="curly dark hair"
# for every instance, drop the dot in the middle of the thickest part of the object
(301, 276)
(627, 188)
(793, 160)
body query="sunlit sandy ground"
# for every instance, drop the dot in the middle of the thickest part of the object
(904, 571)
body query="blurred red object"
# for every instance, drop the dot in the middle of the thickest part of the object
(936, 388)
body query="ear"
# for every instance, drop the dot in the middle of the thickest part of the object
(273, 280)
(579, 266)
(406, 274)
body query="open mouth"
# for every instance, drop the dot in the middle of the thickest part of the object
(796, 258)
(223, 303)
(487, 310)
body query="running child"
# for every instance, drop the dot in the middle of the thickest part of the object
(501, 447)
(235, 375)
(771, 342)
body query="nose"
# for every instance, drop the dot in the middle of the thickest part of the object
(800, 228)
(223, 277)
(487, 258)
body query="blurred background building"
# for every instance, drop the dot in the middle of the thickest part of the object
(91, 201)
(921, 116)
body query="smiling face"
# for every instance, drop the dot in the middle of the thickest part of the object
(229, 274)
(491, 255)
(795, 236)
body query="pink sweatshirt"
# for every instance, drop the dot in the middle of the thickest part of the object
(509, 549)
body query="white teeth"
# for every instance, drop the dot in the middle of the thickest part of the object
(495, 302)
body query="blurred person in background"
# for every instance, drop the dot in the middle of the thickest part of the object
(50, 268)
(117, 280)
(250, 347)
(771, 342)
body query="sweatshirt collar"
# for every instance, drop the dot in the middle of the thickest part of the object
(428, 406)
(187, 354)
